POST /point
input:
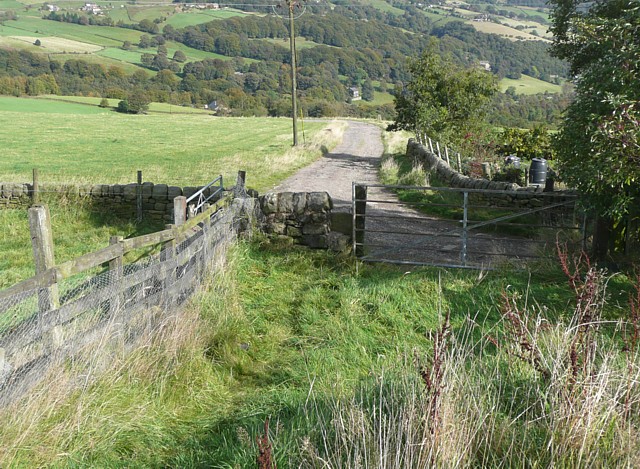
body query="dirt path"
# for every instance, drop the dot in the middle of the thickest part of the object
(355, 159)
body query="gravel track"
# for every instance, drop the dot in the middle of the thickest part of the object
(395, 232)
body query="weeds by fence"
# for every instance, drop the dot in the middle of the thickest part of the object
(97, 311)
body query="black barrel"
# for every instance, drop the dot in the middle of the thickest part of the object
(538, 171)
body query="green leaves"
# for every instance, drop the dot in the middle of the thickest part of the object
(599, 143)
(442, 99)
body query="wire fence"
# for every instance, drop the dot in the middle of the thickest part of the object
(105, 311)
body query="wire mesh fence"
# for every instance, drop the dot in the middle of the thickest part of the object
(107, 311)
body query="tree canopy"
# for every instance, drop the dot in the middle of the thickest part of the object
(443, 100)
(598, 146)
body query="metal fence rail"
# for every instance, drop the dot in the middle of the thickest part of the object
(462, 228)
(198, 200)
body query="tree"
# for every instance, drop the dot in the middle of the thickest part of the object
(598, 145)
(126, 45)
(37, 42)
(367, 90)
(136, 103)
(179, 56)
(104, 103)
(442, 99)
(145, 42)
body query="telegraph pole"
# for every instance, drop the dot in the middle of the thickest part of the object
(292, 47)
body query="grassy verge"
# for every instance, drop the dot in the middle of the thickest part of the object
(336, 357)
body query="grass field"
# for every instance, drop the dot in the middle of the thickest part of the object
(382, 5)
(153, 107)
(192, 18)
(80, 142)
(505, 31)
(301, 43)
(98, 35)
(529, 85)
(381, 98)
(10, 106)
(51, 44)
(338, 357)
(76, 231)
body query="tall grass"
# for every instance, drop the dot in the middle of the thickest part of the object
(342, 363)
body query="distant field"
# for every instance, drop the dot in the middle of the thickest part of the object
(382, 5)
(192, 18)
(529, 85)
(153, 107)
(301, 42)
(81, 142)
(9, 105)
(98, 35)
(381, 98)
(505, 31)
(57, 44)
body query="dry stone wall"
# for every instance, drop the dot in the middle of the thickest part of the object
(303, 216)
(511, 194)
(120, 199)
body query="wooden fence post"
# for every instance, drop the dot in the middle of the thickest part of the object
(459, 163)
(359, 219)
(117, 271)
(438, 148)
(35, 188)
(139, 211)
(169, 269)
(179, 210)
(446, 154)
(42, 243)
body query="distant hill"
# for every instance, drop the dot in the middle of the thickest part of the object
(239, 58)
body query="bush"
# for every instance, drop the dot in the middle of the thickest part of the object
(104, 103)
(510, 174)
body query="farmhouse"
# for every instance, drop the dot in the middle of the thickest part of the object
(92, 8)
(354, 93)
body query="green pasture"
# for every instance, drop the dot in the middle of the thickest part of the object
(192, 18)
(9, 106)
(99, 58)
(86, 143)
(529, 85)
(94, 102)
(11, 5)
(147, 12)
(382, 5)
(169, 147)
(76, 231)
(301, 42)
(381, 98)
(100, 35)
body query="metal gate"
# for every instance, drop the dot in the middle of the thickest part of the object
(463, 228)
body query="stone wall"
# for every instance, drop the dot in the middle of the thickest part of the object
(14, 195)
(511, 194)
(303, 216)
(120, 199)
